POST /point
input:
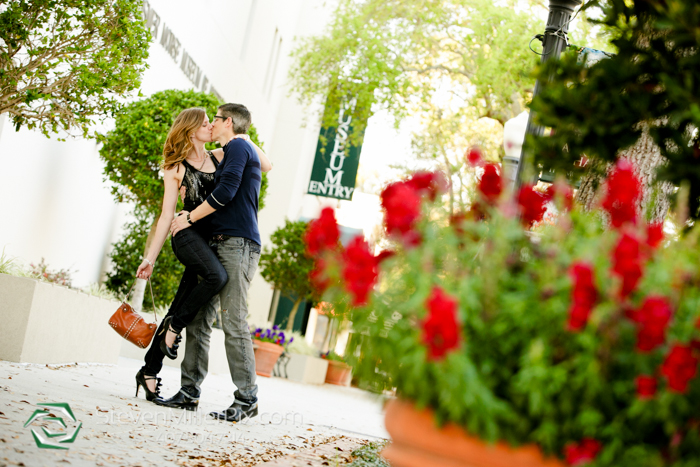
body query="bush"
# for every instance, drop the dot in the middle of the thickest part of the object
(651, 84)
(42, 271)
(581, 339)
(126, 256)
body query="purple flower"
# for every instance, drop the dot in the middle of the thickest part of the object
(290, 340)
(275, 328)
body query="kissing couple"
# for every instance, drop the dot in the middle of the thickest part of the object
(216, 237)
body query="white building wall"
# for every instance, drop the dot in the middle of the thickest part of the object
(56, 203)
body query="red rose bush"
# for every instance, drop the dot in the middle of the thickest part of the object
(580, 335)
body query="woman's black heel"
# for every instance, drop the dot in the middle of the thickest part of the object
(170, 352)
(141, 382)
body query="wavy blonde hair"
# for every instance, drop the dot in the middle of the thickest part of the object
(178, 143)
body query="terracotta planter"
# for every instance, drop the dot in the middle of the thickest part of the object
(416, 441)
(338, 373)
(266, 355)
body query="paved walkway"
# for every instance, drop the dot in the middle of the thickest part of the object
(118, 429)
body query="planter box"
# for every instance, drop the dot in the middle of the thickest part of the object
(306, 369)
(48, 323)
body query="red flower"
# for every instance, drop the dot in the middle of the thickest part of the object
(680, 367)
(531, 205)
(627, 263)
(384, 254)
(440, 328)
(473, 157)
(430, 183)
(652, 318)
(623, 190)
(646, 386)
(585, 451)
(563, 190)
(490, 185)
(401, 204)
(359, 270)
(318, 278)
(655, 234)
(322, 233)
(583, 295)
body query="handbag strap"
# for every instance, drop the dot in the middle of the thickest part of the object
(153, 302)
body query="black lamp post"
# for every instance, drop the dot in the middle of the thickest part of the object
(553, 44)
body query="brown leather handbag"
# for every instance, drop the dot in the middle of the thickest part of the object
(131, 326)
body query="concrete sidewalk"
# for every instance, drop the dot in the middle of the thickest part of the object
(119, 429)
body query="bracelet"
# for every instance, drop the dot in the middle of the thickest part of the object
(189, 220)
(152, 264)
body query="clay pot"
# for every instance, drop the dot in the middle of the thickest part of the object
(338, 373)
(266, 355)
(416, 441)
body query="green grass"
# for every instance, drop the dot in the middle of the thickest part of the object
(368, 456)
(9, 265)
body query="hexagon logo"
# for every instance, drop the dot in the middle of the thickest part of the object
(48, 439)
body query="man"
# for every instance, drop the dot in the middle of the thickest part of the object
(233, 207)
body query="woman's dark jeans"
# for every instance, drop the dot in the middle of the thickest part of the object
(200, 261)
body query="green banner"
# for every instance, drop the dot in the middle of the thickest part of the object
(335, 165)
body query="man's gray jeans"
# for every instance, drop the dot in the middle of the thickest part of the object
(240, 257)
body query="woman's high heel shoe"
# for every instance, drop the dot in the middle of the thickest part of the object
(141, 382)
(170, 352)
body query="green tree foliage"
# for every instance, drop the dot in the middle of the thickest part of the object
(286, 266)
(132, 153)
(653, 82)
(128, 254)
(65, 62)
(394, 52)
(460, 67)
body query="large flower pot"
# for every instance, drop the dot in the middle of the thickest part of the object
(306, 369)
(338, 373)
(416, 441)
(266, 355)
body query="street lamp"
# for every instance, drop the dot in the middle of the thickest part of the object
(553, 44)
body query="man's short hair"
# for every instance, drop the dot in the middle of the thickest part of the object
(239, 115)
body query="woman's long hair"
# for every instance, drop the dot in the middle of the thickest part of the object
(178, 144)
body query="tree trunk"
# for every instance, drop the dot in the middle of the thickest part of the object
(140, 287)
(325, 345)
(646, 157)
(293, 314)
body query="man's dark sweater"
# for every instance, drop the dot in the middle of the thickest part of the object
(235, 197)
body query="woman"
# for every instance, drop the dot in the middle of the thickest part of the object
(188, 170)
